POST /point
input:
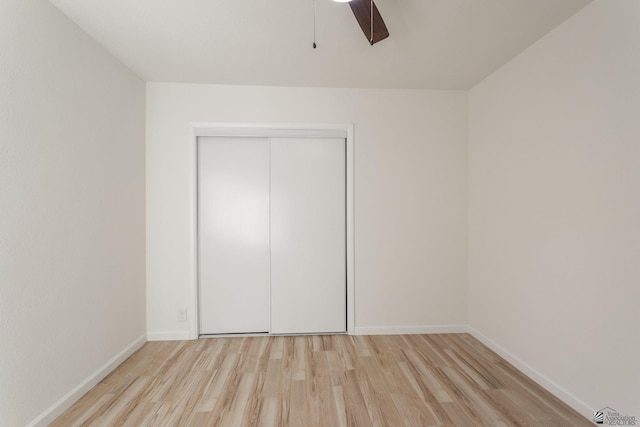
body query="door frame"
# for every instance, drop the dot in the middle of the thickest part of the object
(270, 130)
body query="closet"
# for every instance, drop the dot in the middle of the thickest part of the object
(271, 234)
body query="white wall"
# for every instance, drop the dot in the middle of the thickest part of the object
(410, 195)
(71, 209)
(554, 208)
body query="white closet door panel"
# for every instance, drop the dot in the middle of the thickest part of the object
(308, 259)
(233, 224)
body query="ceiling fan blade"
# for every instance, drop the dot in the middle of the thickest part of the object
(362, 11)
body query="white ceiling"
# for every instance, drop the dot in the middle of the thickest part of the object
(434, 44)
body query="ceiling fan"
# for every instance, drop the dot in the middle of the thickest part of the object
(368, 17)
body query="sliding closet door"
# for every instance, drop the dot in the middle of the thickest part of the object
(308, 258)
(233, 234)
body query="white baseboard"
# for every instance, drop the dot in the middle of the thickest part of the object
(410, 330)
(546, 383)
(55, 410)
(170, 336)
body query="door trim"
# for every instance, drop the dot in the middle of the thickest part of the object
(313, 130)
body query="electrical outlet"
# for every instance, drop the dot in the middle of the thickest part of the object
(182, 315)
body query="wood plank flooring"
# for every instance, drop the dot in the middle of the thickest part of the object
(332, 380)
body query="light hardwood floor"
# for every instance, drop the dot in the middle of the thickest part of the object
(333, 380)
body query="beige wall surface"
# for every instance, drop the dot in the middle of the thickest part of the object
(72, 277)
(554, 208)
(410, 195)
